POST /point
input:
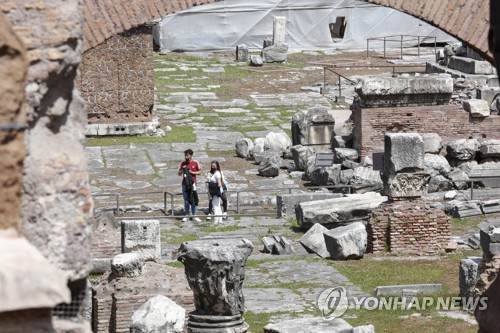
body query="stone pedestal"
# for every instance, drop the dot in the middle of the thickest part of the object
(215, 270)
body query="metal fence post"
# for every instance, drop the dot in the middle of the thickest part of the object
(367, 46)
(472, 190)
(117, 204)
(401, 46)
(237, 202)
(165, 202)
(172, 204)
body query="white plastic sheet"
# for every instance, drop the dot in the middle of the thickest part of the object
(226, 24)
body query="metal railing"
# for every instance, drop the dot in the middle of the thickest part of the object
(400, 39)
(169, 196)
(334, 69)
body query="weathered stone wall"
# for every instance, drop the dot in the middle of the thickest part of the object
(13, 70)
(116, 78)
(449, 121)
(116, 299)
(408, 226)
(56, 203)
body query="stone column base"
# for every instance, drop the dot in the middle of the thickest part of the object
(216, 324)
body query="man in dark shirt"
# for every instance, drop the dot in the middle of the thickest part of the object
(189, 169)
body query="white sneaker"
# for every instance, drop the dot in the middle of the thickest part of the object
(197, 219)
(225, 215)
(209, 217)
(185, 219)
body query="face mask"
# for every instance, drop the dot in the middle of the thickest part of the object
(213, 170)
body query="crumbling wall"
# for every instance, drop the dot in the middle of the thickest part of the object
(56, 203)
(449, 121)
(13, 70)
(408, 226)
(117, 78)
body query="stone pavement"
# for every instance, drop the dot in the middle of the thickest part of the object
(147, 167)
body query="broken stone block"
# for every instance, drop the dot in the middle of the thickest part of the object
(352, 207)
(477, 108)
(490, 148)
(468, 275)
(436, 165)
(365, 179)
(487, 93)
(432, 143)
(286, 203)
(490, 206)
(301, 155)
(281, 246)
(309, 325)
(398, 290)
(459, 179)
(28, 279)
(277, 141)
(364, 329)
(345, 154)
(314, 240)
(242, 54)
(404, 152)
(489, 237)
(270, 166)
(347, 242)
(127, 265)
(143, 237)
(383, 91)
(256, 61)
(275, 53)
(439, 184)
(100, 265)
(243, 147)
(158, 314)
(470, 66)
(462, 149)
(313, 126)
(267, 42)
(464, 209)
(339, 141)
(322, 176)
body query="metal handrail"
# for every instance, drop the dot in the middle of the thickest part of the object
(349, 188)
(330, 68)
(401, 40)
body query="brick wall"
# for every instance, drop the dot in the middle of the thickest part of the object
(116, 78)
(449, 121)
(408, 226)
(114, 300)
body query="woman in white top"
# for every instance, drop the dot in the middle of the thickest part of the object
(217, 179)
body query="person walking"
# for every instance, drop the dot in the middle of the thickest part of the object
(223, 196)
(189, 169)
(215, 190)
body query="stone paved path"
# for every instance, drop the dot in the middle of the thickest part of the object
(152, 167)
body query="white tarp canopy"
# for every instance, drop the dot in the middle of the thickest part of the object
(226, 24)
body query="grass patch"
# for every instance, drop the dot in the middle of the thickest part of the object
(395, 321)
(225, 228)
(465, 225)
(182, 239)
(369, 273)
(257, 321)
(176, 264)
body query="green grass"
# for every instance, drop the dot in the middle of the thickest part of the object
(395, 321)
(176, 264)
(257, 321)
(181, 239)
(465, 225)
(369, 273)
(226, 228)
(183, 133)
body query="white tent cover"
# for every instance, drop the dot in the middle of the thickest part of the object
(226, 24)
